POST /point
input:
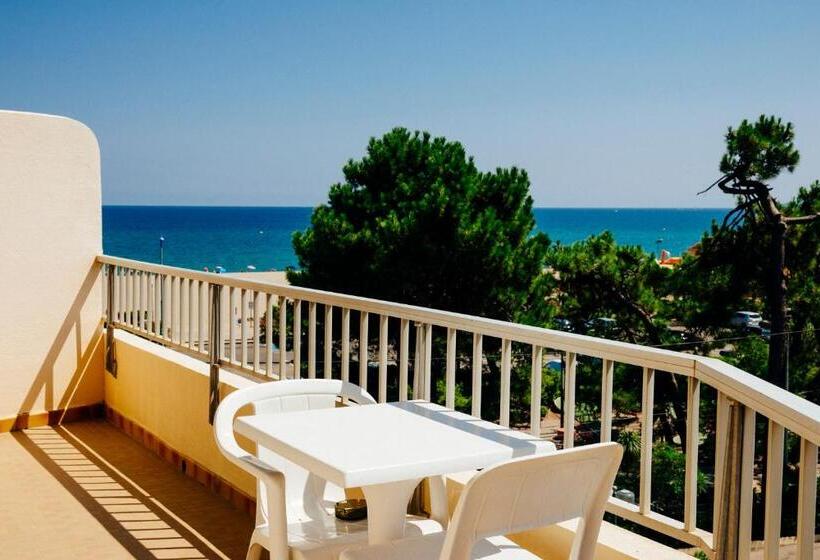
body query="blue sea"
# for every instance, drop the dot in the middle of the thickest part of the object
(238, 237)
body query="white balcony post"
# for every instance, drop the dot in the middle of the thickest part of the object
(569, 399)
(607, 375)
(774, 491)
(478, 367)
(733, 526)
(450, 371)
(215, 338)
(647, 436)
(404, 350)
(110, 359)
(806, 500)
(535, 390)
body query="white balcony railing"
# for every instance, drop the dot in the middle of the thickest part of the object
(174, 307)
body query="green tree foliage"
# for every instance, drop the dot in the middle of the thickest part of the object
(755, 153)
(597, 277)
(759, 151)
(730, 273)
(416, 222)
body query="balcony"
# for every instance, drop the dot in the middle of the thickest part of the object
(115, 368)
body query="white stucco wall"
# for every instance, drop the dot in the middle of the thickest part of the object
(50, 233)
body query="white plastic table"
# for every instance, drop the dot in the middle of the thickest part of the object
(386, 449)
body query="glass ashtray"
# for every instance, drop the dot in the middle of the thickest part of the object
(351, 510)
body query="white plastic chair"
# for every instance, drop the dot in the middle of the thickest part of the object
(515, 496)
(294, 508)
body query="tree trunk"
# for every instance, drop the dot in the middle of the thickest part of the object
(777, 306)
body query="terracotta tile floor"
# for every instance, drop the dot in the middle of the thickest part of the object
(86, 490)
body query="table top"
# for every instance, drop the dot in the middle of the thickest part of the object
(391, 442)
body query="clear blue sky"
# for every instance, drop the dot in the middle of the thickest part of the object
(242, 103)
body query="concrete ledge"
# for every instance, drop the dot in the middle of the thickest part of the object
(160, 397)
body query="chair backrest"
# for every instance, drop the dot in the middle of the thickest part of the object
(306, 495)
(533, 492)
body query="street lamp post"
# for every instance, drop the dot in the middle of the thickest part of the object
(162, 250)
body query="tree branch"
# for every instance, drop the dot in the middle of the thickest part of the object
(802, 219)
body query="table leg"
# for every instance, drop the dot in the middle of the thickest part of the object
(387, 509)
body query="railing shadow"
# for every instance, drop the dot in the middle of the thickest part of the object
(44, 380)
(152, 510)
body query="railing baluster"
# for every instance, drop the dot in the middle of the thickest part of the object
(571, 367)
(690, 488)
(135, 285)
(450, 372)
(535, 390)
(131, 296)
(297, 339)
(112, 270)
(224, 323)
(478, 367)
(404, 350)
(180, 309)
(161, 306)
(721, 433)
(156, 312)
(158, 280)
(283, 338)
(138, 300)
(232, 325)
(312, 340)
(607, 373)
(328, 369)
(118, 289)
(418, 360)
(744, 533)
(167, 281)
(258, 300)
(192, 311)
(774, 492)
(647, 421)
(110, 314)
(345, 344)
(506, 358)
(144, 302)
(383, 358)
(202, 330)
(148, 305)
(806, 499)
(214, 350)
(364, 318)
(243, 327)
(269, 336)
(427, 365)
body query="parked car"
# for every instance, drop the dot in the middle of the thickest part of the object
(600, 326)
(745, 319)
(563, 324)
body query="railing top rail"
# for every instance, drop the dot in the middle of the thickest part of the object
(792, 412)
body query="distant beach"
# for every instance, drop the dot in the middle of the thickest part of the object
(237, 237)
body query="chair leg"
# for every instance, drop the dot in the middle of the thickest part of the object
(254, 552)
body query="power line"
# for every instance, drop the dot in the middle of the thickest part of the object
(729, 339)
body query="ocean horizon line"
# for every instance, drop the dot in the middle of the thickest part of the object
(301, 207)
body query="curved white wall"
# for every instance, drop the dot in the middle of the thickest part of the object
(50, 233)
